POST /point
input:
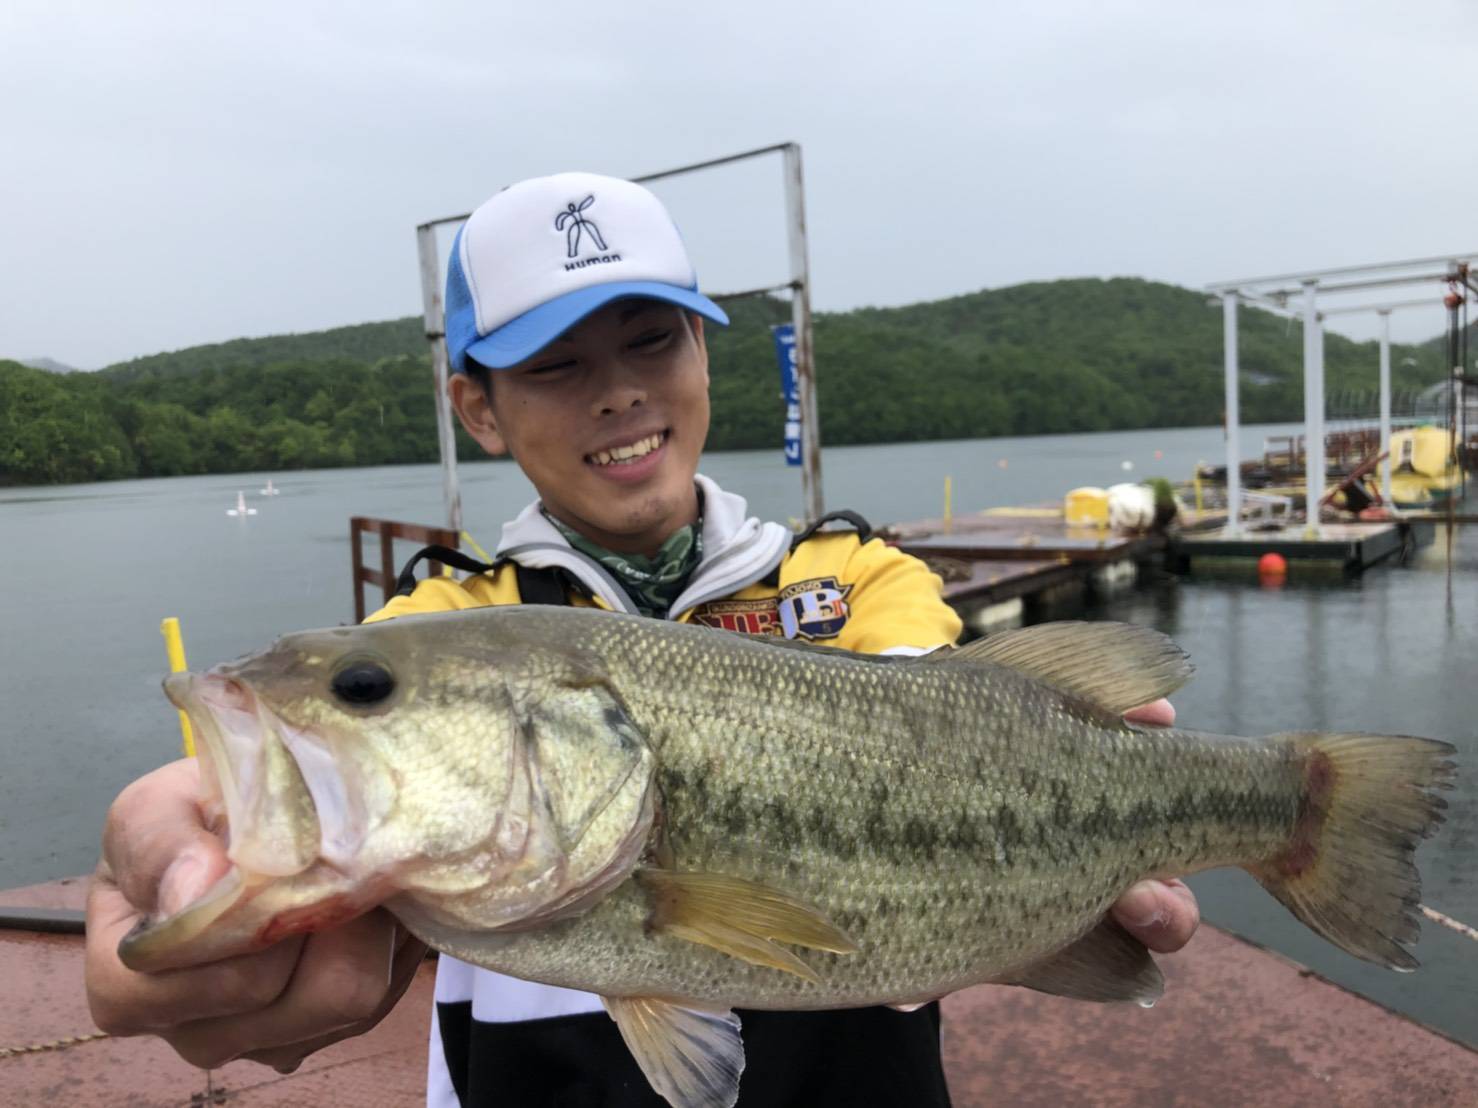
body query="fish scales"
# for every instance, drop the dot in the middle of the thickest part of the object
(958, 821)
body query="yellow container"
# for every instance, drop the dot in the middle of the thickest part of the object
(1088, 505)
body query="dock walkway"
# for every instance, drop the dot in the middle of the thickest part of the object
(995, 563)
(1238, 1026)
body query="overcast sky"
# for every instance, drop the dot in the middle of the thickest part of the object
(181, 173)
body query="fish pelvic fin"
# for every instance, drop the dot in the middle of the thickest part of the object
(1116, 666)
(1106, 964)
(744, 919)
(692, 1056)
(1348, 871)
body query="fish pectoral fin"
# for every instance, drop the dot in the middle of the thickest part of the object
(1116, 666)
(741, 918)
(692, 1056)
(1108, 963)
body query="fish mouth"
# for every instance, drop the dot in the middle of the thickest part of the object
(262, 782)
(253, 798)
(254, 792)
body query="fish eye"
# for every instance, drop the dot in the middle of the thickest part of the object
(363, 681)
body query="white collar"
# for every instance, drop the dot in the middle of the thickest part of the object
(738, 550)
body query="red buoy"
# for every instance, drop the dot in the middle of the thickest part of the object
(1272, 565)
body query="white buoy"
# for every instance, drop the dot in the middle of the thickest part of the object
(1126, 465)
(241, 509)
(269, 490)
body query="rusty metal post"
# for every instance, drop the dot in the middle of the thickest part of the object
(434, 322)
(805, 366)
(356, 555)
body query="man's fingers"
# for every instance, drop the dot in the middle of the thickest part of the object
(343, 983)
(1161, 713)
(409, 955)
(1161, 914)
(914, 1007)
(128, 1003)
(155, 838)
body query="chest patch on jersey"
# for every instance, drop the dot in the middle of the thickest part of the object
(750, 617)
(814, 609)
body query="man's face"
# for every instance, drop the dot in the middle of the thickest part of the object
(607, 421)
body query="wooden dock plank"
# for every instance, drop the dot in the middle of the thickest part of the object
(1032, 533)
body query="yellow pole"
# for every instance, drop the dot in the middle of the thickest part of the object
(1196, 481)
(479, 551)
(948, 510)
(174, 646)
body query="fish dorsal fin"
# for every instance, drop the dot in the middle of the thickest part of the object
(743, 919)
(691, 1055)
(1116, 666)
(1106, 964)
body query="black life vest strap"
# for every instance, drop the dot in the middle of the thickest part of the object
(542, 586)
(405, 583)
(535, 586)
(860, 525)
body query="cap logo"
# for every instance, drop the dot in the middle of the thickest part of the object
(573, 223)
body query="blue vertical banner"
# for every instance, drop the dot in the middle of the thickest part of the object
(785, 352)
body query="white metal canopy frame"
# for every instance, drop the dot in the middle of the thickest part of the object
(1297, 295)
(799, 286)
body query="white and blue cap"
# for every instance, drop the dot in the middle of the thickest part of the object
(541, 255)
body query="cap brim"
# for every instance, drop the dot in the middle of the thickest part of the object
(529, 333)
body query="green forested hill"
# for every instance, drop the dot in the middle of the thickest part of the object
(1057, 356)
(362, 342)
(1072, 355)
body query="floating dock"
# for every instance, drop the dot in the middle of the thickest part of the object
(1354, 545)
(1237, 1025)
(1007, 565)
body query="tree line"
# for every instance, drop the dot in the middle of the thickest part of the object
(1049, 357)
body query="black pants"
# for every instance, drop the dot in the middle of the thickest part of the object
(851, 1057)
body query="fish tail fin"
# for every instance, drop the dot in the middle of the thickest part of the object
(1347, 871)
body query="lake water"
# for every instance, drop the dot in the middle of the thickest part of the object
(88, 571)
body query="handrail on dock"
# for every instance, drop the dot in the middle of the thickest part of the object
(389, 530)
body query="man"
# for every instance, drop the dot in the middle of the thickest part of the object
(577, 332)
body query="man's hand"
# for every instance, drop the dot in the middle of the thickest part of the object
(1161, 914)
(275, 1006)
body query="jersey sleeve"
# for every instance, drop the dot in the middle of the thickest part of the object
(896, 601)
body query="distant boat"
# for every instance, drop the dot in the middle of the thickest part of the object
(1424, 473)
(241, 509)
(269, 490)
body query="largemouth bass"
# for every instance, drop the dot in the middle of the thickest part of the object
(686, 820)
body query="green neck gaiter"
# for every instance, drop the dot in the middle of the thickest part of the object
(653, 583)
